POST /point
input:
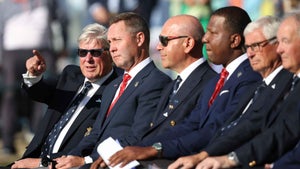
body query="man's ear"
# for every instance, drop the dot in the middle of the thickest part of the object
(235, 40)
(189, 44)
(140, 38)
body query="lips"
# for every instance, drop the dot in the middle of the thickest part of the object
(254, 63)
(90, 68)
(115, 56)
(162, 56)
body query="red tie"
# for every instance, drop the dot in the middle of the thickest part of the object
(219, 86)
(126, 78)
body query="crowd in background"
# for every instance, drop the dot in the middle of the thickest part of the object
(53, 28)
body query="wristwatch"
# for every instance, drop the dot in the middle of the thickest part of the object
(233, 157)
(45, 162)
(158, 148)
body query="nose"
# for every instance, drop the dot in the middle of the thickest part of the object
(112, 48)
(250, 53)
(279, 49)
(204, 39)
(89, 56)
(159, 46)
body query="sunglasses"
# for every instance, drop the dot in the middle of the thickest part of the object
(93, 52)
(165, 39)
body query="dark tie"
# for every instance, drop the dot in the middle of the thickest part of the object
(51, 139)
(126, 78)
(295, 80)
(257, 92)
(176, 84)
(219, 86)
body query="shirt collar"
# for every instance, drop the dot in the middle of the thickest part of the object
(188, 70)
(232, 66)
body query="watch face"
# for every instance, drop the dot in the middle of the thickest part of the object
(45, 161)
(157, 146)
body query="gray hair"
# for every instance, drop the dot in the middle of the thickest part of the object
(268, 24)
(94, 32)
(294, 14)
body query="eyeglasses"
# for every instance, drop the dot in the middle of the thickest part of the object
(93, 52)
(165, 39)
(255, 47)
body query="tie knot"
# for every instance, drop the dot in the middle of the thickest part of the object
(262, 85)
(295, 80)
(178, 79)
(126, 77)
(88, 85)
(176, 84)
(224, 73)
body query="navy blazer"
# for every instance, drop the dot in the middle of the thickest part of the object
(197, 129)
(291, 160)
(259, 116)
(169, 114)
(58, 95)
(130, 116)
(279, 138)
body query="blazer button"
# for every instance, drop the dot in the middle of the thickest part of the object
(252, 163)
(173, 123)
(171, 106)
(151, 124)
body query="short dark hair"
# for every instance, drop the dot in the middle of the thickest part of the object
(236, 19)
(134, 22)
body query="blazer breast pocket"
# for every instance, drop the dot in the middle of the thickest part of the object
(223, 92)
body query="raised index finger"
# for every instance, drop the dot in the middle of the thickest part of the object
(37, 54)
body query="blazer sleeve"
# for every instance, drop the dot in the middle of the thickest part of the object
(276, 140)
(42, 91)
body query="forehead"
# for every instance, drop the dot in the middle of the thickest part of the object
(254, 36)
(90, 43)
(288, 27)
(216, 21)
(117, 29)
(169, 28)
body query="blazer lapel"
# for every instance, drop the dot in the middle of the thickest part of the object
(279, 86)
(238, 73)
(135, 83)
(93, 105)
(184, 91)
(108, 98)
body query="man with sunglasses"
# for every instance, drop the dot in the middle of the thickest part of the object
(257, 109)
(183, 55)
(123, 117)
(224, 41)
(95, 69)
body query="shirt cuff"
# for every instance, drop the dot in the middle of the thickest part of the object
(88, 160)
(31, 80)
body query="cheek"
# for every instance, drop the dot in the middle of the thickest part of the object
(166, 60)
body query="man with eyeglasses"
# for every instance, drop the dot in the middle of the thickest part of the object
(257, 109)
(95, 69)
(284, 134)
(224, 41)
(129, 101)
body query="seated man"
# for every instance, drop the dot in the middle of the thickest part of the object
(95, 68)
(129, 101)
(193, 71)
(270, 141)
(214, 106)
